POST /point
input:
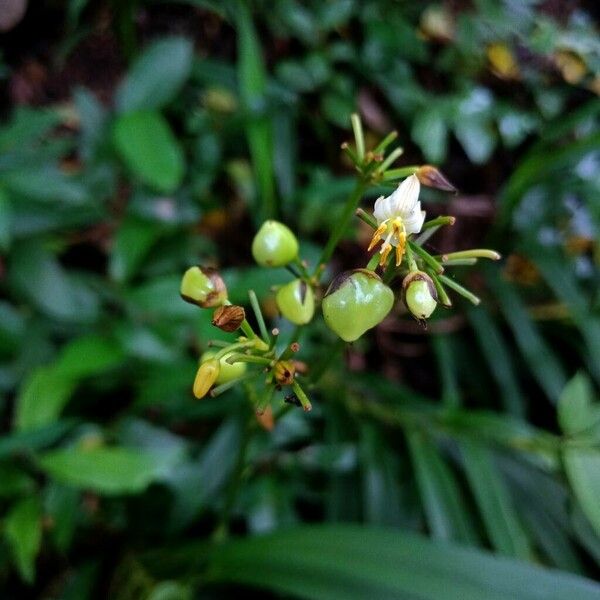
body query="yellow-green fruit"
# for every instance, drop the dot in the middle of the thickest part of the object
(227, 372)
(420, 295)
(296, 302)
(275, 245)
(203, 287)
(355, 302)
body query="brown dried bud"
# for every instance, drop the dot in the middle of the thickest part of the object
(284, 371)
(434, 178)
(229, 318)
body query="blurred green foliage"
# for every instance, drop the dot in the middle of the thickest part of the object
(483, 432)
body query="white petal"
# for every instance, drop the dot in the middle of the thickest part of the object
(406, 196)
(414, 222)
(383, 209)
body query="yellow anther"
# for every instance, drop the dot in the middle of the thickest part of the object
(377, 236)
(386, 248)
(400, 248)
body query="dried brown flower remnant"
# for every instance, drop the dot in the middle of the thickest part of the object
(228, 318)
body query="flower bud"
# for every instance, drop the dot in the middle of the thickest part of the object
(296, 302)
(275, 245)
(206, 377)
(355, 302)
(420, 295)
(229, 318)
(434, 178)
(226, 372)
(203, 287)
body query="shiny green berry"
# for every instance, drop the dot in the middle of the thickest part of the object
(275, 245)
(203, 287)
(420, 295)
(355, 302)
(296, 302)
(227, 372)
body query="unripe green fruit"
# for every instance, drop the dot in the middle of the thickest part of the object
(203, 287)
(227, 372)
(355, 302)
(420, 295)
(296, 302)
(275, 245)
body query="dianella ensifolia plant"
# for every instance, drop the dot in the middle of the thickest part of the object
(354, 302)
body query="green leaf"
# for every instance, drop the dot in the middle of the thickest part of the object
(575, 411)
(429, 132)
(23, 531)
(5, 221)
(42, 398)
(538, 355)
(477, 138)
(61, 504)
(46, 390)
(149, 149)
(37, 275)
(499, 359)
(349, 562)
(105, 470)
(157, 76)
(132, 243)
(88, 355)
(446, 512)
(583, 470)
(502, 523)
(252, 81)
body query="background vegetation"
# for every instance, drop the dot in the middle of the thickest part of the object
(140, 138)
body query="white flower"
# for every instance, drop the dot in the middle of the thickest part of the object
(398, 216)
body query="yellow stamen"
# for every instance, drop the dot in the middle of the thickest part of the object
(400, 231)
(400, 248)
(377, 236)
(386, 248)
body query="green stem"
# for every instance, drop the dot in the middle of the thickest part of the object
(459, 289)
(259, 316)
(247, 329)
(304, 401)
(340, 228)
(473, 253)
(230, 348)
(443, 297)
(400, 173)
(385, 142)
(460, 262)
(390, 158)
(359, 136)
(366, 218)
(249, 358)
(412, 265)
(217, 391)
(373, 262)
(426, 257)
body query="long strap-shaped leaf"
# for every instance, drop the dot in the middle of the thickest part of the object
(350, 562)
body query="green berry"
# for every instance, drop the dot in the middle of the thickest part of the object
(203, 287)
(275, 245)
(296, 302)
(420, 295)
(355, 302)
(227, 372)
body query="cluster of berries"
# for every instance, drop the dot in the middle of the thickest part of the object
(355, 300)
